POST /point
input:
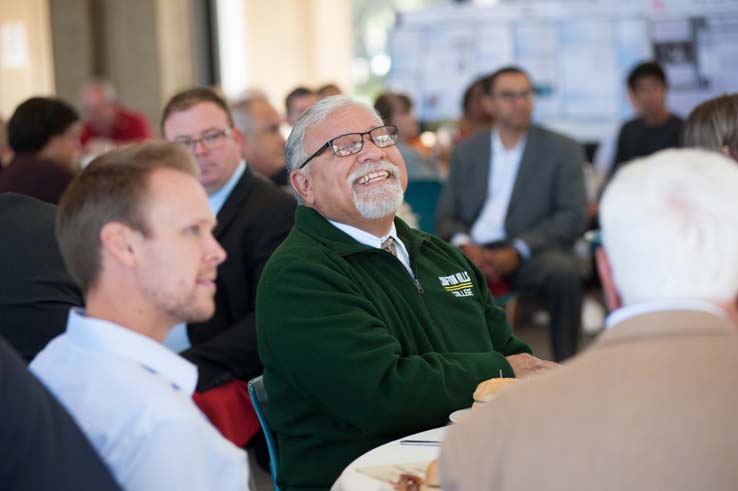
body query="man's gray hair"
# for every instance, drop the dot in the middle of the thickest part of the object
(243, 108)
(670, 227)
(104, 86)
(295, 152)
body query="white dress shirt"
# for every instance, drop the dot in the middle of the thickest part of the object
(132, 398)
(370, 240)
(504, 164)
(490, 224)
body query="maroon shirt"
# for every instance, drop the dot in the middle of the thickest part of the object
(43, 179)
(129, 126)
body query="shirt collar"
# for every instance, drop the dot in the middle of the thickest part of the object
(219, 197)
(498, 148)
(624, 313)
(104, 336)
(365, 237)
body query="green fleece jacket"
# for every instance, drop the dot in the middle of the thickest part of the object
(357, 353)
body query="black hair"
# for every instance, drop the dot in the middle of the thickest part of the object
(644, 70)
(488, 82)
(38, 120)
(388, 104)
(294, 94)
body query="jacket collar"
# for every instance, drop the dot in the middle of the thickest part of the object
(312, 223)
(234, 202)
(665, 324)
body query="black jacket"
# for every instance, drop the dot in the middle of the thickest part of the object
(253, 221)
(36, 292)
(42, 447)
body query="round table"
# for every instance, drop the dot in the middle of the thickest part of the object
(388, 454)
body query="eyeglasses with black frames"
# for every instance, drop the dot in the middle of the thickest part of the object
(511, 95)
(351, 143)
(211, 140)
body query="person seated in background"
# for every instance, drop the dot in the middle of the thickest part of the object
(5, 151)
(328, 90)
(296, 102)
(43, 133)
(515, 203)
(254, 216)
(397, 109)
(368, 330)
(713, 125)
(44, 448)
(135, 232)
(651, 404)
(106, 122)
(36, 292)
(476, 111)
(262, 143)
(655, 128)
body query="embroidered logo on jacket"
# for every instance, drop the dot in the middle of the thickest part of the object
(459, 284)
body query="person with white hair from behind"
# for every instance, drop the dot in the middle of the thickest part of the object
(651, 405)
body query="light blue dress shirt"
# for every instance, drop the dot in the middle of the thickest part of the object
(178, 340)
(220, 196)
(132, 398)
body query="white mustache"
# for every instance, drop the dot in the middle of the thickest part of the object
(365, 169)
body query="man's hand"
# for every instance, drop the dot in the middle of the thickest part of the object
(525, 365)
(476, 253)
(505, 260)
(482, 258)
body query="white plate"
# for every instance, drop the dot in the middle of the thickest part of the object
(457, 416)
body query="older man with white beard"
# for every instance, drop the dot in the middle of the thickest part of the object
(368, 330)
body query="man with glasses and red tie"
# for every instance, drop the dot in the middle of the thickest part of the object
(515, 203)
(253, 215)
(368, 330)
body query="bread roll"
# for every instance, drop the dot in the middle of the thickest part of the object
(489, 388)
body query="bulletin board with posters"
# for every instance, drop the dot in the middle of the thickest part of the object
(577, 52)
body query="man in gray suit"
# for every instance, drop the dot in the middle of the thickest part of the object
(515, 203)
(651, 405)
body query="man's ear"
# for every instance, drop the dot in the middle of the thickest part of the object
(488, 105)
(633, 98)
(302, 185)
(120, 242)
(612, 297)
(239, 138)
(237, 135)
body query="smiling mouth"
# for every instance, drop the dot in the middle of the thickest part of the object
(373, 177)
(209, 282)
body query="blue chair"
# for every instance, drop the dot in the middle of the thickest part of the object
(422, 196)
(260, 402)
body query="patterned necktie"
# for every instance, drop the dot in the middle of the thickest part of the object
(389, 246)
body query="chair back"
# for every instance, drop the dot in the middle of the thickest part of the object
(260, 401)
(422, 196)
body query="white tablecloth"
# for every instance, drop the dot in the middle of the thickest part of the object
(388, 454)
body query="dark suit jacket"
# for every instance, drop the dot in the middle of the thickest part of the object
(36, 292)
(42, 447)
(548, 203)
(253, 221)
(651, 405)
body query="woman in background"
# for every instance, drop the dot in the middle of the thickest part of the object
(397, 109)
